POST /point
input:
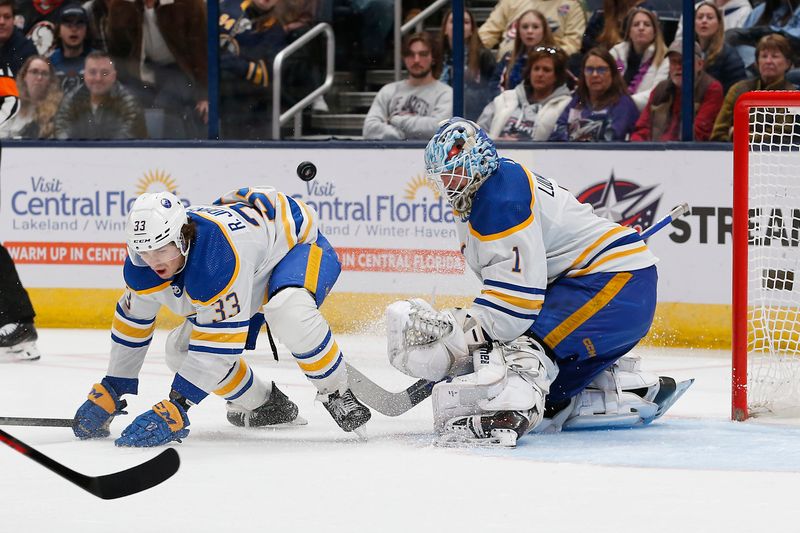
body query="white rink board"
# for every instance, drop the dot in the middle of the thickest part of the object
(374, 204)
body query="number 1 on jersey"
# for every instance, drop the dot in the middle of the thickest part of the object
(516, 260)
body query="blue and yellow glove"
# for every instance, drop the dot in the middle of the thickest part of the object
(96, 413)
(164, 423)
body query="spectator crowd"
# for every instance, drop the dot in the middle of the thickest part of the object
(541, 70)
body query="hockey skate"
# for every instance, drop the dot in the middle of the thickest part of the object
(501, 429)
(277, 411)
(18, 341)
(349, 413)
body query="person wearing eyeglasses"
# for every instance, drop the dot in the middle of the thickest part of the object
(661, 117)
(39, 97)
(641, 56)
(411, 108)
(532, 31)
(530, 111)
(600, 109)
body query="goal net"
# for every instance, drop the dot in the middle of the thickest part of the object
(766, 255)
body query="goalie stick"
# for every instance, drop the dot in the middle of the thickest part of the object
(110, 486)
(396, 403)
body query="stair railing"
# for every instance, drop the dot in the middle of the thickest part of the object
(414, 23)
(278, 118)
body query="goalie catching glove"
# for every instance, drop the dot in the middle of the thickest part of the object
(96, 413)
(430, 344)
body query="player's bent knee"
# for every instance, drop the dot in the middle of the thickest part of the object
(292, 315)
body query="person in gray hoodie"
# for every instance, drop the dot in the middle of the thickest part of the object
(530, 110)
(411, 108)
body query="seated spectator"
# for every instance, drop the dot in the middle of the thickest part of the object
(640, 56)
(71, 46)
(600, 109)
(661, 118)
(39, 95)
(605, 25)
(37, 19)
(161, 52)
(479, 64)
(411, 108)
(101, 108)
(529, 112)
(565, 18)
(97, 10)
(251, 35)
(15, 48)
(532, 31)
(773, 60)
(734, 14)
(770, 16)
(722, 61)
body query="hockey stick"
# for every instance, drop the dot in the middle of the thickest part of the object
(397, 403)
(111, 486)
(41, 422)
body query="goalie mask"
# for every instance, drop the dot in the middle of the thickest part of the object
(458, 159)
(155, 223)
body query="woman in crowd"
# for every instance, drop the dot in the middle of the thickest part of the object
(605, 25)
(773, 60)
(641, 56)
(721, 60)
(479, 64)
(532, 31)
(600, 109)
(530, 111)
(40, 94)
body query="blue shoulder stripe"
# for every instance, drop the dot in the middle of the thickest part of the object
(141, 279)
(512, 287)
(212, 264)
(515, 314)
(503, 204)
(297, 215)
(141, 321)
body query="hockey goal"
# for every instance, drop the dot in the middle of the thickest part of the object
(766, 255)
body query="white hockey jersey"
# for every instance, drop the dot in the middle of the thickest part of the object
(223, 284)
(525, 232)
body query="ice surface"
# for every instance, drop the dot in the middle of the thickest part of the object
(693, 470)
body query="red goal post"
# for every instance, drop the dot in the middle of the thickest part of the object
(766, 304)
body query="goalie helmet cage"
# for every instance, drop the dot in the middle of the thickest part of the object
(766, 255)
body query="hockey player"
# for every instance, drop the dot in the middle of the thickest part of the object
(257, 254)
(566, 295)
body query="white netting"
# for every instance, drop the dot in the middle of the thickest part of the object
(773, 342)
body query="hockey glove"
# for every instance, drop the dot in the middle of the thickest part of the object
(96, 413)
(164, 423)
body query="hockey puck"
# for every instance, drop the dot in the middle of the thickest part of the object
(306, 171)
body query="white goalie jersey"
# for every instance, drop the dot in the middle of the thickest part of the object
(525, 232)
(222, 286)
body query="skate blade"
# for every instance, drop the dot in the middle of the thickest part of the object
(501, 438)
(27, 351)
(299, 421)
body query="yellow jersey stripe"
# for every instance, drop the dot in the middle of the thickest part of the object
(515, 300)
(241, 372)
(235, 274)
(594, 245)
(219, 337)
(151, 290)
(321, 363)
(132, 331)
(312, 268)
(522, 225)
(588, 309)
(287, 226)
(606, 259)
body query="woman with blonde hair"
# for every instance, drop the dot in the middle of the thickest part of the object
(641, 57)
(532, 31)
(722, 62)
(40, 95)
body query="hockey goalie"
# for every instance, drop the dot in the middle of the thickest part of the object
(566, 295)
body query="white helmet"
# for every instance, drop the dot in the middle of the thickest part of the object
(155, 221)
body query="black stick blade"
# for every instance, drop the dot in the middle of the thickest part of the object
(135, 479)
